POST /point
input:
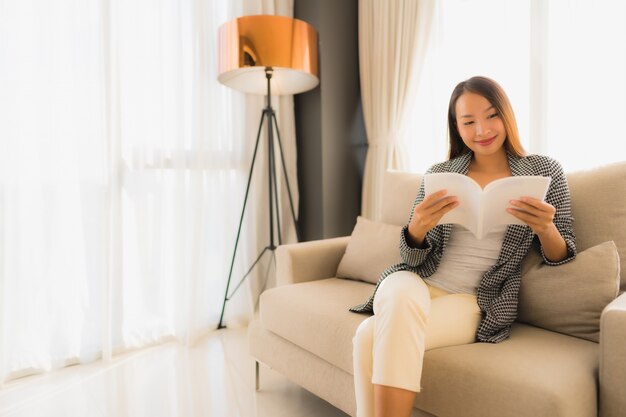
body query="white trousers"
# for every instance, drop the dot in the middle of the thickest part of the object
(410, 318)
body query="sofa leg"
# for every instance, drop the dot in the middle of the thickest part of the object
(257, 378)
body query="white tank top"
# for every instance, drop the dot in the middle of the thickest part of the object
(466, 259)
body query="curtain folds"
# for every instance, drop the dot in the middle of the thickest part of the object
(123, 165)
(393, 38)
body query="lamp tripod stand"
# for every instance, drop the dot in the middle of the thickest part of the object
(269, 116)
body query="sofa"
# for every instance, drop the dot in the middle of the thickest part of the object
(566, 356)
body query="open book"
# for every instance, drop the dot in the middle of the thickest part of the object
(480, 210)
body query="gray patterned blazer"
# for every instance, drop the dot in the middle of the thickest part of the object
(499, 286)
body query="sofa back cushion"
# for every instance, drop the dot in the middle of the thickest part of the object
(399, 191)
(598, 205)
(599, 209)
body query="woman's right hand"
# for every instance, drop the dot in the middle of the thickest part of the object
(427, 214)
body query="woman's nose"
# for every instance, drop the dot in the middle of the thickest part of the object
(481, 128)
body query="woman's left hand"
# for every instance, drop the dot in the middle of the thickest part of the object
(537, 214)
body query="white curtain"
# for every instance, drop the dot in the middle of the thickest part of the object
(393, 36)
(53, 185)
(123, 165)
(584, 71)
(547, 57)
(460, 48)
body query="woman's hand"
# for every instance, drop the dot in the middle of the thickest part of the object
(427, 214)
(539, 216)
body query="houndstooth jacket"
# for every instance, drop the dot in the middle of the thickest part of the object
(498, 289)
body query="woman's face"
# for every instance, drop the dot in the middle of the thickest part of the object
(479, 124)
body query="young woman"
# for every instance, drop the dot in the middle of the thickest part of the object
(451, 287)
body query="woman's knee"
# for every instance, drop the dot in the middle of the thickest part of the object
(363, 339)
(402, 288)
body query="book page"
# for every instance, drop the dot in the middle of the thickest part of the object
(498, 194)
(465, 189)
(481, 210)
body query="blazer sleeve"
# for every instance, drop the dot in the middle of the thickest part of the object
(410, 255)
(559, 196)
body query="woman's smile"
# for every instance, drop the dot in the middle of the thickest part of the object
(486, 142)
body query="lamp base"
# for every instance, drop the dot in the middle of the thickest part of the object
(265, 250)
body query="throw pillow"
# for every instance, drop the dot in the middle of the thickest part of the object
(372, 248)
(599, 207)
(570, 298)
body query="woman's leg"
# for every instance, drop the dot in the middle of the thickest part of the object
(387, 399)
(393, 402)
(362, 345)
(389, 347)
(453, 320)
(401, 307)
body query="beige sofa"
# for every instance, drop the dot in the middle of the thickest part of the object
(305, 330)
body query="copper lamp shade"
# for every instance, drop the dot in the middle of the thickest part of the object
(248, 45)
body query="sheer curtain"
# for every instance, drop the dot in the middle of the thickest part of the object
(393, 36)
(123, 164)
(53, 185)
(585, 67)
(564, 84)
(462, 45)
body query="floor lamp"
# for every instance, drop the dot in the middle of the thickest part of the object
(268, 55)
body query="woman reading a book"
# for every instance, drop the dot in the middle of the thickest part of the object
(453, 288)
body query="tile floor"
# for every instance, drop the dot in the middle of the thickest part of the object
(213, 378)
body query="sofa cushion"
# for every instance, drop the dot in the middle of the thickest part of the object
(599, 208)
(550, 373)
(372, 248)
(399, 192)
(546, 373)
(314, 315)
(569, 298)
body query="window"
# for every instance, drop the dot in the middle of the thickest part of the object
(560, 62)
(586, 82)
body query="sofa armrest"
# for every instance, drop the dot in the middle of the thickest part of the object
(308, 261)
(613, 359)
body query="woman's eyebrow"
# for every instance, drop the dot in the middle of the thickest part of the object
(469, 115)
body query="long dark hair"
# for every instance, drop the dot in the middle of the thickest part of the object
(492, 91)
